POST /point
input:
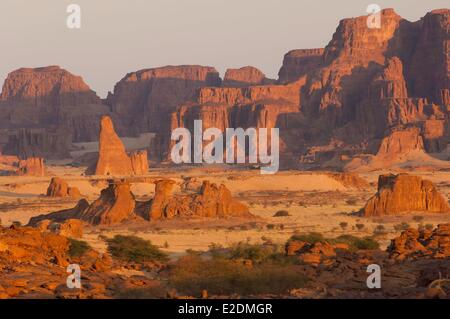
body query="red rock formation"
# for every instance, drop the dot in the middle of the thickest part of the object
(32, 142)
(163, 193)
(115, 205)
(399, 144)
(45, 109)
(139, 162)
(245, 76)
(404, 193)
(298, 63)
(212, 201)
(46, 87)
(112, 157)
(430, 65)
(145, 98)
(59, 188)
(414, 243)
(33, 166)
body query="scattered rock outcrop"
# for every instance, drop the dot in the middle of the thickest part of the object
(212, 201)
(33, 166)
(117, 204)
(59, 188)
(404, 193)
(428, 243)
(312, 253)
(72, 228)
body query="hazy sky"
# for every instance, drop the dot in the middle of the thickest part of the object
(117, 37)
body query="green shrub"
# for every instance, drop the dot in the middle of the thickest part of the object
(356, 243)
(192, 274)
(343, 225)
(77, 248)
(132, 248)
(312, 238)
(401, 226)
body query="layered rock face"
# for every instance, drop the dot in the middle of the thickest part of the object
(33, 166)
(144, 99)
(260, 106)
(336, 98)
(112, 158)
(414, 243)
(45, 109)
(404, 193)
(399, 144)
(59, 188)
(245, 76)
(297, 63)
(49, 87)
(336, 103)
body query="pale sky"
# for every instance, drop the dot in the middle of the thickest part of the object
(117, 37)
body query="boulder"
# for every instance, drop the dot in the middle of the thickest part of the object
(404, 193)
(59, 188)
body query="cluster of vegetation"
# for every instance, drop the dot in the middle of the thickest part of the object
(135, 249)
(222, 276)
(77, 248)
(354, 243)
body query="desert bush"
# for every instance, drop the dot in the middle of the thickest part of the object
(343, 225)
(360, 226)
(77, 248)
(16, 223)
(192, 274)
(429, 226)
(401, 226)
(281, 213)
(312, 237)
(417, 218)
(356, 243)
(379, 230)
(270, 226)
(351, 201)
(132, 248)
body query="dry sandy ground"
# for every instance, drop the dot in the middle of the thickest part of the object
(315, 202)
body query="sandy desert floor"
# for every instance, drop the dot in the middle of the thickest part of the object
(315, 201)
